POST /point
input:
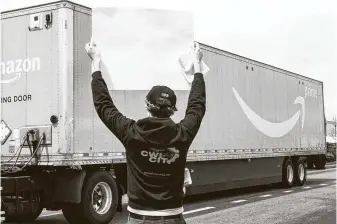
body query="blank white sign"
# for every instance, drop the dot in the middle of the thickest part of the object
(141, 47)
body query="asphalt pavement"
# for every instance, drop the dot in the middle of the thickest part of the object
(313, 203)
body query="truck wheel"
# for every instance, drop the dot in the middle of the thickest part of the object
(71, 213)
(300, 172)
(30, 217)
(288, 173)
(320, 162)
(99, 198)
(25, 218)
(310, 163)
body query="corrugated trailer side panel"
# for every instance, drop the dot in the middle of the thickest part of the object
(83, 104)
(269, 93)
(268, 97)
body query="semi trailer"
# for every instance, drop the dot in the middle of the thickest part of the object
(261, 125)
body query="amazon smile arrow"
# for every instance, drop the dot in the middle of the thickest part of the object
(274, 130)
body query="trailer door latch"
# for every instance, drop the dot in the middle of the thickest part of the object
(35, 22)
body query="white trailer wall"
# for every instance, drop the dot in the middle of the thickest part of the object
(226, 132)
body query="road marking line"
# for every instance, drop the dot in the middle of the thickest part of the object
(238, 201)
(306, 187)
(288, 191)
(51, 214)
(265, 196)
(197, 210)
(322, 184)
(321, 171)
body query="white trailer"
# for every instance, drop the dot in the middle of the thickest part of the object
(260, 125)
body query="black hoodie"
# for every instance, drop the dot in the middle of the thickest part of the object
(156, 148)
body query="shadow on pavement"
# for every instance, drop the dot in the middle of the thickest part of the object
(251, 190)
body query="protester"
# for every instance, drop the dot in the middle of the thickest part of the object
(156, 147)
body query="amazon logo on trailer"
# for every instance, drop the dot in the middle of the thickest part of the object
(274, 130)
(12, 70)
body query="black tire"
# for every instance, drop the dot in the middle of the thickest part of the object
(85, 212)
(300, 172)
(288, 177)
(310, 163)
(320, 162)
(31, 217)
(72, 214)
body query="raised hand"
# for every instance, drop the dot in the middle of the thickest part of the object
(197, 53)
(197, 56)
(92, 50)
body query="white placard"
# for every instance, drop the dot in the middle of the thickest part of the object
(187, 68)
(5, 131)
(141, 47)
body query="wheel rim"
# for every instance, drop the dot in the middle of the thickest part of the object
(102, 198)
(38, 200)
(290, 173)
(301, 172)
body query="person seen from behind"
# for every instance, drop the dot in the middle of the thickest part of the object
(156, 147)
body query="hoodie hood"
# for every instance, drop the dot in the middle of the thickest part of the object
(156, 131)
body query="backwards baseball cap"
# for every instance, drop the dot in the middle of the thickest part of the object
(162, 96)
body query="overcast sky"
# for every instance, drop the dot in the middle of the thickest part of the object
(300, 36)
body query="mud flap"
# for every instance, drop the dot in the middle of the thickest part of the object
(67, 186)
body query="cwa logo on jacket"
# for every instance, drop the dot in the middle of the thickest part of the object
(165, 156)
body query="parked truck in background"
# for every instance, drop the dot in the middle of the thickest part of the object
(261, 123)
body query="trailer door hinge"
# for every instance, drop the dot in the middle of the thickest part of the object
(49, 20)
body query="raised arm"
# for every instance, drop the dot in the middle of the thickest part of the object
(105, 108)
(196, 106)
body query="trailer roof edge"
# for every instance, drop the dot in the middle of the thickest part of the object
(45, 4)
(262, 63)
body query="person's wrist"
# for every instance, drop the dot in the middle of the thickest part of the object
(196, 61)
(197, 66)
(96, 61)
(96, 64)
